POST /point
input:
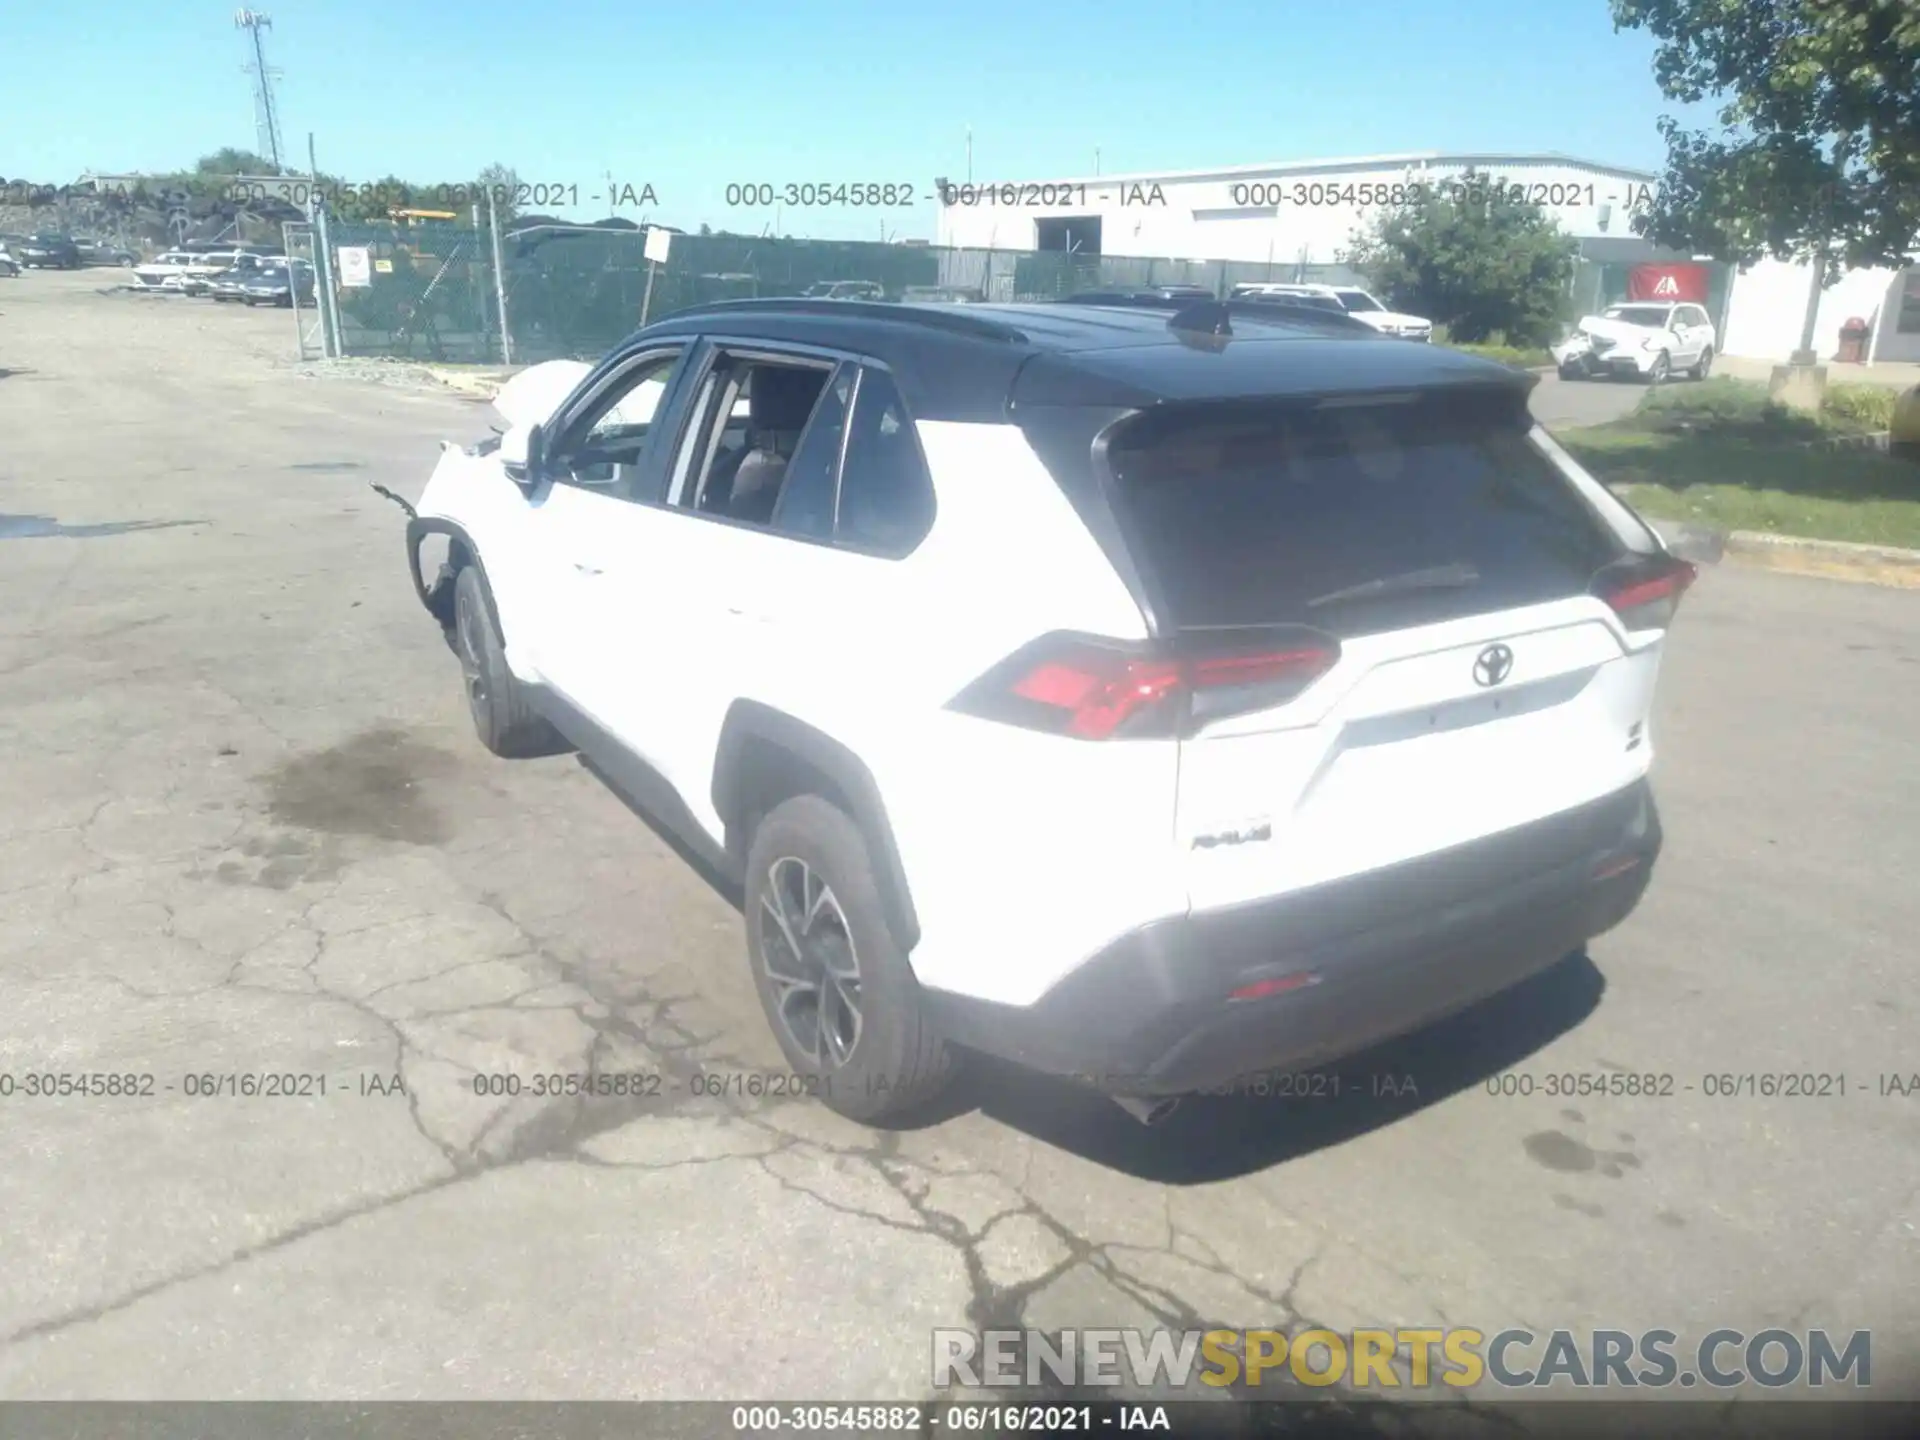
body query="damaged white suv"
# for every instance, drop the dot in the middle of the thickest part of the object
(1154, 692)
(1645, 341)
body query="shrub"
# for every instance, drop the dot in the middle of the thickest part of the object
(1860, 407)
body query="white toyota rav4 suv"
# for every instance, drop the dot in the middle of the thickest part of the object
(1156, 693)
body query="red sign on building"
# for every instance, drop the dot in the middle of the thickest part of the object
(1672, 283)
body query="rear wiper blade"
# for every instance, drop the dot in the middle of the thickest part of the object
(1437, 577)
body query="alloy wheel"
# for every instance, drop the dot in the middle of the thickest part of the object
(472, 658)
(808, 955)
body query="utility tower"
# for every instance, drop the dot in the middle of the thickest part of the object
(266, 111)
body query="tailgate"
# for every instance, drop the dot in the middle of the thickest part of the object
(1410, 746)
(1480, 683)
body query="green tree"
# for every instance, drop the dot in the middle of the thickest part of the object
(229, 161)
(1818, 152)
(1473, 258)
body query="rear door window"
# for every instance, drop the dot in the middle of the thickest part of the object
(886, 494)
(1354, 520)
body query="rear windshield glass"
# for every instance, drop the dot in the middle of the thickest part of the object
(1353, 520)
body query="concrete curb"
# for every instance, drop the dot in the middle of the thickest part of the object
(1875, 440)
(1762, 542)
(1833, 559)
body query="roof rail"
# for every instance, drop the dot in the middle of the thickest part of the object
(1271, 307)
(950, 318)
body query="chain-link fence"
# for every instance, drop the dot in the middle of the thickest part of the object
(430, 292)
(424, 292)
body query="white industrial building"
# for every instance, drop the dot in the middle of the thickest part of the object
(1769, 310)
(1295, 219)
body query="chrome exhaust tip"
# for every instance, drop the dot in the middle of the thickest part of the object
(1150, 1110)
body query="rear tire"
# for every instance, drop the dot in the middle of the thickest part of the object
(837, 989)
(502, 711)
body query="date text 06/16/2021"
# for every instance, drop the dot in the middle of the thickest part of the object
(197, 1085)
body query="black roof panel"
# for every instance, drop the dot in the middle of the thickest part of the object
(1249, 366)
(972, 362)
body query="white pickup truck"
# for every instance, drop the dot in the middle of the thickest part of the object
(1644, 340)
(1356, 302)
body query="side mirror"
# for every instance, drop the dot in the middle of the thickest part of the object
(522, 452)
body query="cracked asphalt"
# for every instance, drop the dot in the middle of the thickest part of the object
(245, 830)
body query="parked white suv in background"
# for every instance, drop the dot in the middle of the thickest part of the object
(1643, 340)
(1357, 303)
(1155, 692)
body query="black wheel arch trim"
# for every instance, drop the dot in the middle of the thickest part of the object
(749, 721)
(418, 529)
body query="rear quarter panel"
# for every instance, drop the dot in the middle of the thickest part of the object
(1024, 852)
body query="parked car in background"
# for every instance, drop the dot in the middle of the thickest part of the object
(50, 252)
(105, 252)
(939, 295)
(167, 271)
(230, 282)
(1355, 301)
(1645, 341)
(198, 279)
(1125, 293)
(9, 266)
(1274, 295)
(277, 281)
(846, 290)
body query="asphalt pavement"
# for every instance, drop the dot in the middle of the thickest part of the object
(246, 831)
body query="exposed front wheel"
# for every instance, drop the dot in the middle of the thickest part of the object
(1658, 374)
(1704, 365)
(836, 986)
(502, 711)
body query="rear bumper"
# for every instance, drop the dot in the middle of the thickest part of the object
(1386, 953)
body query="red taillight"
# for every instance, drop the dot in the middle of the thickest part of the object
(1100, 690)
(1096, 696)
(1645, 594)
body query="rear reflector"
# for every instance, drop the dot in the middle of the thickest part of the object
(1645, 593)
(1094, 689)
(1260, 989)
(1620, 866)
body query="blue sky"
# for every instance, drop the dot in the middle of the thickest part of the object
(689, 96)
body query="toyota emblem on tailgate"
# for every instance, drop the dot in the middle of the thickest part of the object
(1492, 665)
